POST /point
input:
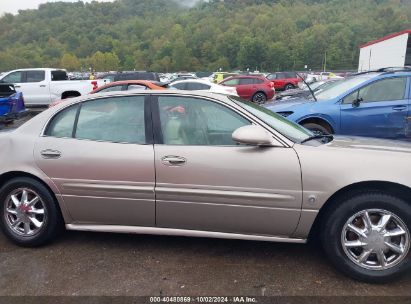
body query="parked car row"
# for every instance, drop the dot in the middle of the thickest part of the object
(372, 104)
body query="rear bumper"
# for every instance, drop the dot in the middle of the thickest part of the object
(13, 116)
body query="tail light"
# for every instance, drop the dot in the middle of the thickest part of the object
(271, 84)
(95, 86)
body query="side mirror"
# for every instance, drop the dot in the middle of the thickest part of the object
(356, 103)
(253, 135)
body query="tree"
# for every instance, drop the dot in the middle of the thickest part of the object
(104, 62)
(70, 62)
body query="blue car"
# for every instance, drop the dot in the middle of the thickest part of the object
(374, 104)
(11, 103)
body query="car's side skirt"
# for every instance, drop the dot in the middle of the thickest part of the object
(180, 232)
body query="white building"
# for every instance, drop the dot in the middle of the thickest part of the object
(390, 51)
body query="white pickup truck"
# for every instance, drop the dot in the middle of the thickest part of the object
(41, 87)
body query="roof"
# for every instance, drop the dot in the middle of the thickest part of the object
(386, 38)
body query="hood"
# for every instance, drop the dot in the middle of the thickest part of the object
(372, 144)
(280, 105)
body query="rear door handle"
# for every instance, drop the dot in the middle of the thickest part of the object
(42, 86)
(173, 160)
(399, 108)
(50, 154)
(17, 86)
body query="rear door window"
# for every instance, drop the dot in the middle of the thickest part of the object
(117, 119)
(246, 81)
(34, 76)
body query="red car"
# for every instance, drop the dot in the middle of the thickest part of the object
(257, 89)
(284, 80)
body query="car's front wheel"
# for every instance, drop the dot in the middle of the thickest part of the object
(29, 214)
(367, 236)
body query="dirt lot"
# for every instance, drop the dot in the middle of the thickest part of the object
(132, 265)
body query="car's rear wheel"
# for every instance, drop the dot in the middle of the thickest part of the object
(367, 237)
(317, 128)
(289, 87)
(29, 214)
(259, 98)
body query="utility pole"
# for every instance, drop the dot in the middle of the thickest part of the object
(325, 61)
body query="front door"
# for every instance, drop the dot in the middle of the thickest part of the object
(378, 109)
(100, 156)
(207, 182)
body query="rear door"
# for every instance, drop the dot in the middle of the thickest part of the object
(378, 109)
(100, 156)
(246, 88)
(207, 182)
(35, 87)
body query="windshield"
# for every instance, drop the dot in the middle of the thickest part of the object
(341, 87)
(289, 129)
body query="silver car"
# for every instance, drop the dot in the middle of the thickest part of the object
(206, 165)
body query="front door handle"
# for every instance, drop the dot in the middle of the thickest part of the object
(42, 86)
(50, 154)
(399, 108)
(173, 160)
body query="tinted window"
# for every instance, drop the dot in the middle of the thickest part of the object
(112, 89)
(280, 76)
(290, 75)
(58, 76)
(258, 81)
(272, 77)
(119, 119)
(194, 86)
(35, 76)
(62, 124)
(192, 121)
(245, 81)
(13, 77)
(110, 77)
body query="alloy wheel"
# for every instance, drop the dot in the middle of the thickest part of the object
(25, 212)
(259, 98)
(375, 239)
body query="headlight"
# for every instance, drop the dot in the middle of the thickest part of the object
(285, 114)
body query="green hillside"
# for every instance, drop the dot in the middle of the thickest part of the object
(163, 35)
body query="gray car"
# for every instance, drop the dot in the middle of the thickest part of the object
(206, 165)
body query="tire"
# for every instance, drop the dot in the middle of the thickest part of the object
(50, 222)
(335, 232)
(289, 87)
(259, 98)
(318, 128)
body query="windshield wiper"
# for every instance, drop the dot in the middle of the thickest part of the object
(319, 136)
(308, 86)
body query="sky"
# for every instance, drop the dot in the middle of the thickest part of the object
(12, 6)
